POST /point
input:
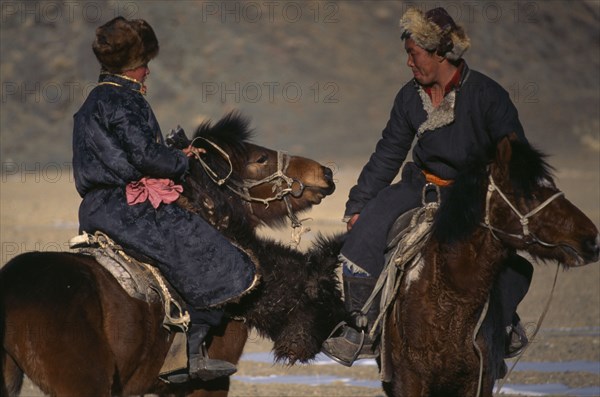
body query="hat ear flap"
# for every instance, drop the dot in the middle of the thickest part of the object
(446, 45)
(460, 44)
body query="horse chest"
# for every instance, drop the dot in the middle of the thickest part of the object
(434, 325)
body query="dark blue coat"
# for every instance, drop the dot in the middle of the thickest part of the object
(483, 114)
(446, 142)
(117, 140)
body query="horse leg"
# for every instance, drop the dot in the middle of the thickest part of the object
(407, 384)
(12, 376)
(226, 343)
(388, 388)
(487, 386)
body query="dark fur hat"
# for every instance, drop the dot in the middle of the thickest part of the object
(123, 44)
(435, 31)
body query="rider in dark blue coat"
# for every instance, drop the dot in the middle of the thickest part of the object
(456, 115)
(128, 178)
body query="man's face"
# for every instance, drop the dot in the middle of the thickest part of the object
(423, 64)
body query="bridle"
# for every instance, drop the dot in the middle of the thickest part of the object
(283, 185)
(527, 236)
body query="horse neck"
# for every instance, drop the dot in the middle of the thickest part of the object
(466, 270)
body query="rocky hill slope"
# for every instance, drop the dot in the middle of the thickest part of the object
(317, 78)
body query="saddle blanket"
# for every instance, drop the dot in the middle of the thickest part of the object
(144, 282)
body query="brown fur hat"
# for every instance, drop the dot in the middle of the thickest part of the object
(435, 31)
(123, 44)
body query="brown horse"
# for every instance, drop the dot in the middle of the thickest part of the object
(67, 324)
(441, 298)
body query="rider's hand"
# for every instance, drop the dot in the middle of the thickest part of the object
(190, 150)
(352, 221)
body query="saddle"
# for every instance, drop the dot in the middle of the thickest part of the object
(140, 280)
(144, 282)
(406, 238)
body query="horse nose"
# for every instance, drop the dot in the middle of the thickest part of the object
(328, 176)
(592, 248)
(328, 173)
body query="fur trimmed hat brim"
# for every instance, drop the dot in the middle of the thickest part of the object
(426, 33)
(123, 44)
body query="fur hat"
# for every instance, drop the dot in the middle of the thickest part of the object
(435, 31)
(123, 44)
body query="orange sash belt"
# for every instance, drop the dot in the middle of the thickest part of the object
(436, 180)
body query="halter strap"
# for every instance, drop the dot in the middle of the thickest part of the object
(277, 179)
(523, 219)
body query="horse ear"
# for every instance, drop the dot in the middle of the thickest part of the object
(504, 152)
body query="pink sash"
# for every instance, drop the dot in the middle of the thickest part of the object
(156, 190)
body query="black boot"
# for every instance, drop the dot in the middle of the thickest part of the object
(516, 338)
(200, 366)
(513, 281)
(350, 342)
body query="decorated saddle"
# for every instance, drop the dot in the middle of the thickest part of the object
(406, 238)
(140, 280)
(144, 282)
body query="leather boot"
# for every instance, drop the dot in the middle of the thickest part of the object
(513, 283)
(200, 366)
(350, 342)
(516, 338)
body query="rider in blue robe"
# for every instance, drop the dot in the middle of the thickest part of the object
(117, 142)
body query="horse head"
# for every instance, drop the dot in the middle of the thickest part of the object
(271, 184)
(526, 210)
(519, 203)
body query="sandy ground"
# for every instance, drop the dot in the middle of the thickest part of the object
(347, 59)
(39, 212)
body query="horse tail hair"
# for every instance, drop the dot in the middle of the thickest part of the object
(3, 358)
(11, 377)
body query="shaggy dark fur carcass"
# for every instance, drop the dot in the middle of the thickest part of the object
(299, 301)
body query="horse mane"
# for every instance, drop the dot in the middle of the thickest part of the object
(232, 130)
(463, 206)
(528, 167)
(230, 133)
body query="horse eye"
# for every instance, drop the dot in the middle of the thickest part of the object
(262, 159)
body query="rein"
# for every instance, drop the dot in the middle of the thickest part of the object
(476, 346)
(295, 188)
(527, 236)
